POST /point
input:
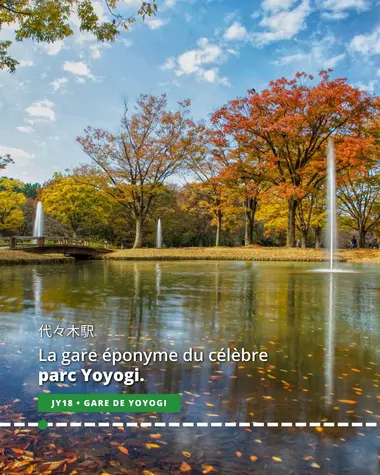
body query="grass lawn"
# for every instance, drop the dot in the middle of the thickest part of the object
(8, 257)
(254, 253)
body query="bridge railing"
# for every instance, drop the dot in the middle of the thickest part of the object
(14, 242)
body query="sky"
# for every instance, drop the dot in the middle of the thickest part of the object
(209, 51)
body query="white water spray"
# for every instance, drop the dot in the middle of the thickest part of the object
(159, 235)
(332, 235)
(38, 228)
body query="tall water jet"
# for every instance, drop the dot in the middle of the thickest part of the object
(38, 228)
(332, 236)
(159, 235)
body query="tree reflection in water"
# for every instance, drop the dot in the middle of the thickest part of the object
(321, 334)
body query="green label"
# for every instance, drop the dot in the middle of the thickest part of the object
(109, 403)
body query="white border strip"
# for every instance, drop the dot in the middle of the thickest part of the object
(145, 425)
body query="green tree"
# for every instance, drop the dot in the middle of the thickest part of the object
(49, 20)
(11, 201)
(76, 205)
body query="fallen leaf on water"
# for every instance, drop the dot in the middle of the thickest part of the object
(186, 454)
(152, 446)
(308, 457)
(238, 454)
(147, 472)
(123, 449)
(207, 468)
(185, 467)
(277, 459)
(315, 465)
(253, 458)
(18, 451)
(347, 401)
(52, 465)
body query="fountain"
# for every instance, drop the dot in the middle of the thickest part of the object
(38, 228)
(331, 205)
(159, 235)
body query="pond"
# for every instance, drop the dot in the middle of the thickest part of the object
(321, 333)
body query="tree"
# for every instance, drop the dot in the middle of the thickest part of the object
(288, 125)
(311, 215)
(359, 201)
(5, 160)
(214, 195)
(49, 20)
(74, 204)
(11, 201)
(133, 165)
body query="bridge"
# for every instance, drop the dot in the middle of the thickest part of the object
(77, 248)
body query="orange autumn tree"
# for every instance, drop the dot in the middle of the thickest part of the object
(287, 125)
(246, 184)
(132, 165)
(211, 190)
(243, 173)
(359, 186)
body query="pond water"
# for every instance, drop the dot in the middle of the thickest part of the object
(322, 334)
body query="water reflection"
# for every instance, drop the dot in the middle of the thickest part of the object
(321, 333)
(330, 335)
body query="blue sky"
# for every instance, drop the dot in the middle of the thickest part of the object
(207, 50)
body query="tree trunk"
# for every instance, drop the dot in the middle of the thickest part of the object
(318, 237)
(250, 212)
(139, 233)
(304, 237)
(218, 228)
(291, 235)
(362, 236)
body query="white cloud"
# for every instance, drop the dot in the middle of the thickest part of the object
(367, 44)
(369, 87)
(25, 63)
(276, 6)
(333, 61)
(170, 3)
(155, 23)
(26, 129)
(126, 43)
(42, 110)
(96, 49)
(342, 5)
(319, 54)
(200, 61)
(236, 32)
(23, 160)
(334, 15)
(58, 83)
(282, 25)
(169, 64)
(291, 58)
(78, 68)
(53, 48)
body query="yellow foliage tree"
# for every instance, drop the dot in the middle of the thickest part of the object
(74, 204)
(11, 200)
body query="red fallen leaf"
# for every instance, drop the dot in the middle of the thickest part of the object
(123, 449)
(18, 451)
